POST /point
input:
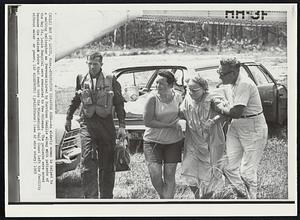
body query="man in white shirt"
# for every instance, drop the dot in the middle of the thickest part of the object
(247, 134)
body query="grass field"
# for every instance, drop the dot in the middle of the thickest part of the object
(135, 184)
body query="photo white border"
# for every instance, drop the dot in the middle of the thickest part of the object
(188, 209)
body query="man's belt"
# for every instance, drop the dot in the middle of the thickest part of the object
(250, 116)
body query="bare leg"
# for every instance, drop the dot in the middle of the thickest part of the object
(169, 180)
(195, 190)
(155, 170)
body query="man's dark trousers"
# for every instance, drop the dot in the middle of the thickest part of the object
(98, 136)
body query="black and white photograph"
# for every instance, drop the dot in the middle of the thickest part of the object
(154, 105)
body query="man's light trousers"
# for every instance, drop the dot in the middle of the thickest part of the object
(245, 142)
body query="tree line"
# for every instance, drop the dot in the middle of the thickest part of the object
(148, 34)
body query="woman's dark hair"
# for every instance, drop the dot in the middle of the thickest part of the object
(168, 75)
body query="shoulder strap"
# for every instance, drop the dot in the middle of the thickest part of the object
(108, 80)
(178, 97)
(82, 78)
(155, 100)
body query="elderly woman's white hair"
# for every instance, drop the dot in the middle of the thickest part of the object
(199, 80)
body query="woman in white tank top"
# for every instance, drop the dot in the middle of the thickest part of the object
(163, 137)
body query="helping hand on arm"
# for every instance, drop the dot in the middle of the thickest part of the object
(233, 112)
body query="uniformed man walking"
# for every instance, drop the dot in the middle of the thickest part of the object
(248, 131)
(98, 93)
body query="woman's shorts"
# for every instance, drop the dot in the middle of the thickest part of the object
(167, 153)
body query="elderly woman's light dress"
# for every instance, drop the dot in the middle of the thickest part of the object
(204, 146)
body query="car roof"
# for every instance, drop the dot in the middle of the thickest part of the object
(185, 65)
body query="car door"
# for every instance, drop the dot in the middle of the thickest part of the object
(281, 97)
(271, 94)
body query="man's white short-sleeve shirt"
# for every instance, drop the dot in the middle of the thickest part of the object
(246, 93)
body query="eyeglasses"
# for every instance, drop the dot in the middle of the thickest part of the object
(224, 74)
(194, 90)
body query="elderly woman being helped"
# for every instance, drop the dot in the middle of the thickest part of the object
(163, 137)
(204, 139)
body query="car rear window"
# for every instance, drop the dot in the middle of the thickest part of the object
(259, 75)
(135, 82)
(135, 78)
(212, 77)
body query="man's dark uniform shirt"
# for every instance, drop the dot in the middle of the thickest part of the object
(118, 101)
(98, 136)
